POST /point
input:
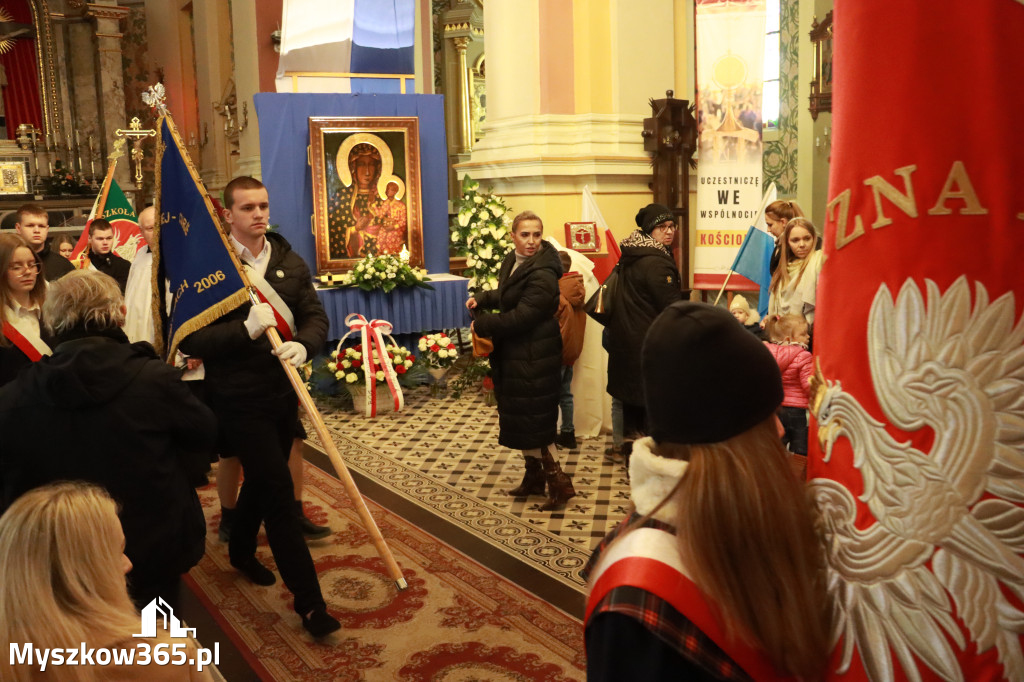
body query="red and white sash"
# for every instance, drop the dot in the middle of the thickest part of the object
(648, 559)
(373, 333)
(34, 348)
(266, 294)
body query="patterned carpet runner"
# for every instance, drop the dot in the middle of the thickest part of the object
(443, 455)
(456, 621)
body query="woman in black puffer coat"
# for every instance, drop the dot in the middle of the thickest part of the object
(648, 283)
(527, 359)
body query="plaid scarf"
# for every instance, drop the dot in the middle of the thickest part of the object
(661, 619)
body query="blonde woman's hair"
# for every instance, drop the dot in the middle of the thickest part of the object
(526, 215)
(780, 279)
(83, 299)
(779, 327)
(745, 531)
(62, 580)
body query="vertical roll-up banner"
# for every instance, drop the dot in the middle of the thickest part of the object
(916, 461)
(730, 75)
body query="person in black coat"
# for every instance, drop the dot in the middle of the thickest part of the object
(648, 283)
(127, 423)
(256, 407)
(101, 253)
(526, 362)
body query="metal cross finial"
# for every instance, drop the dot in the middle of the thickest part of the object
(136, 133)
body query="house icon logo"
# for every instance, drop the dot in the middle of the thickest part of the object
(158, 610)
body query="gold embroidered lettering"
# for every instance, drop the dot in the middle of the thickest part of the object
(964, 190)
(842, 201)
(905, 202)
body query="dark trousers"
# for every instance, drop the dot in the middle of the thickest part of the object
(262, 439)
(144, 589)
(794, 422)
(634, 421)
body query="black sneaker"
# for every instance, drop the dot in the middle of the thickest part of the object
(252, 569)
(320, 623)
(567, 440)
(227, 521)
(310, 530)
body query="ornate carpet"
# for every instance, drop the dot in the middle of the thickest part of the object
(456, 621)
(443, 455)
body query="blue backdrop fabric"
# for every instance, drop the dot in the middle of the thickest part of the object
(409, 310)
(284, 136)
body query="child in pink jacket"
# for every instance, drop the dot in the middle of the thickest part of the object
(788, 337)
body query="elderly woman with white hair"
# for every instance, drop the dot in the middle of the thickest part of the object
(128, 423)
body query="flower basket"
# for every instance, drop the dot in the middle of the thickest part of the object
(382, 399)
(377, 362)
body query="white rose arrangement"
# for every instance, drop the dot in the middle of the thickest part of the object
(480, 233)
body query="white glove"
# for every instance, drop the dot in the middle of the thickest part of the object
(291, 351)
(261, 317)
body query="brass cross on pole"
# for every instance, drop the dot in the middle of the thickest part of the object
(136, 134)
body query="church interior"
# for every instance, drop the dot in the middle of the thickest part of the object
(541, 102)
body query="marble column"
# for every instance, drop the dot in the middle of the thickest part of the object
(110, 78)
(247, 81)
(568, 85)
(213, 60)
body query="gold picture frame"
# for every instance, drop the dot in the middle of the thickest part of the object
(821, 85)
(366, 189)
(13, 177)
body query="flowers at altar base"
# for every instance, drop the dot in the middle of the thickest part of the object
(62, 181)
(438, 350)
(385, 272)
(348, 365)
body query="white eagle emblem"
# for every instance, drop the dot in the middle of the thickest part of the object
(958, 372)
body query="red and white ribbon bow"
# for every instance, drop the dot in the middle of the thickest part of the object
(372, 339)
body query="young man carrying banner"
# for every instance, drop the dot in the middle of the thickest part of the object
(254, 402)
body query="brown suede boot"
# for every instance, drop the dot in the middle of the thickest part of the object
(560, 488)
(533, 480)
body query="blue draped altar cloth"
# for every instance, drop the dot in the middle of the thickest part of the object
(411, 310)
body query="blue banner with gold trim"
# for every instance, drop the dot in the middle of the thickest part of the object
(194, 254)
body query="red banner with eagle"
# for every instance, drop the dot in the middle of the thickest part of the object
(917, 453)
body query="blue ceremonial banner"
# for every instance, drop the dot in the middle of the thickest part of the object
(193, 254)
(753, 261)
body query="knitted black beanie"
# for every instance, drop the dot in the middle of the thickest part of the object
(652, 214)
(706, 378)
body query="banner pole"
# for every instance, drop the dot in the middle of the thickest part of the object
(102, 204)
(344, 475)
(722, 290)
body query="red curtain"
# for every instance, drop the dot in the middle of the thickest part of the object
(21, 94)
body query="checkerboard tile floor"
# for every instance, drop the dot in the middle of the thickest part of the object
(444, 454)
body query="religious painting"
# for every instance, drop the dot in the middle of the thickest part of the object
(366, 190)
